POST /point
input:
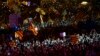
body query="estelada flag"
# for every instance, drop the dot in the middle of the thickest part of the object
(74, 39)
(19, 34)
(33, 29)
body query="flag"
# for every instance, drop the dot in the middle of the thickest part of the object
(19, 34)
(33, 28)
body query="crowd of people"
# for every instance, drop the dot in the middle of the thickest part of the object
(54, 12)
(85, 45)
(55, 50)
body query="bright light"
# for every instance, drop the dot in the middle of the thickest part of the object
(64, 34)
(36, 29)
(84, 3)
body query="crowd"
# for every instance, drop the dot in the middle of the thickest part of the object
(86, 45)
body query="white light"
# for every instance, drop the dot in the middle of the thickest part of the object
(84, 3)
(64, 34)
(36, 28)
